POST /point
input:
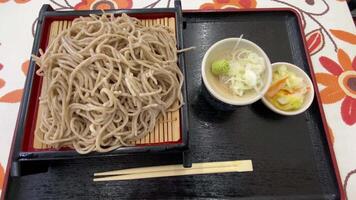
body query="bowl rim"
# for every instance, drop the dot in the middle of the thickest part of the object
(227, 100)
(306, 104)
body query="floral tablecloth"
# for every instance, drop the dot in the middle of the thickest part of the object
(330, 36)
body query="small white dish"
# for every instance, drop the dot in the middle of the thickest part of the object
(308, 98)
(218, 51)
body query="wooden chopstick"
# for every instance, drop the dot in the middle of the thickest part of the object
(176, 170)
(173, 167)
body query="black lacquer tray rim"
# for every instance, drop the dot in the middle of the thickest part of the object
(317, 94)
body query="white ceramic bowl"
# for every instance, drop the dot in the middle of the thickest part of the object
(219, 51)
(308, 98)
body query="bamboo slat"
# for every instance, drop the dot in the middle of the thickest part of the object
(166, 129)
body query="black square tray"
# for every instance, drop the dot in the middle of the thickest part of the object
(24, 133)
(290, 155)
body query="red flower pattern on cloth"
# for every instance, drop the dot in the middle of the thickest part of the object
(2, 82)
(16, 1)
(2, 174)
(315, 41)
(340, 84)
(13, 96)
(228, 4)
(103, 4)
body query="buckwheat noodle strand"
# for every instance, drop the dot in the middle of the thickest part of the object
(107, 80)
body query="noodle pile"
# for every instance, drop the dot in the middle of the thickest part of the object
(107, 80)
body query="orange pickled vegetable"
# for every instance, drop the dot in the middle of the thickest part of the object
(276, 87)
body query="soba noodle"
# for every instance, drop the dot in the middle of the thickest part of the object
(107, 80)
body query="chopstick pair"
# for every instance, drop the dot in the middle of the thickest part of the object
(175, 170)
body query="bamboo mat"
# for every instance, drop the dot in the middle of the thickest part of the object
(166, 129)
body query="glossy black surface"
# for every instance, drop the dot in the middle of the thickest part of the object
(289, 154)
